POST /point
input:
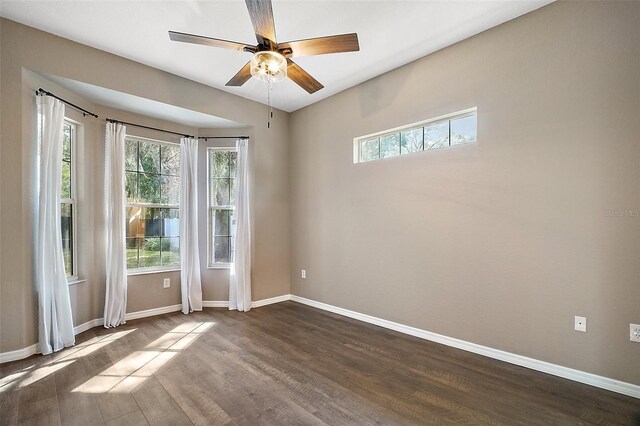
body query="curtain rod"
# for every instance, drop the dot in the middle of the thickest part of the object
(111, 120)
(223, 137)
(41, 91)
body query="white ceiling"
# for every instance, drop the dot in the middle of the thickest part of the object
(137, 105)
(391, 34)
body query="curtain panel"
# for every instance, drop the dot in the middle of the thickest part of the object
(190, 282)
(240, 279)
(55, 322)
(115, 301)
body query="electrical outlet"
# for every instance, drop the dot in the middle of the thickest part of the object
(634, 332)
(167, 282)
(303, 274)
(580, 324)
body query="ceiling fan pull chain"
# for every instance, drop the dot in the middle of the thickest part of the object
(269, 108)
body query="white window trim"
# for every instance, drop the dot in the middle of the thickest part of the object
(454, 115)
(152, 269)
(74, 277)
(219, 265)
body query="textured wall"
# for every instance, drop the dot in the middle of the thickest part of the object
(501, 242)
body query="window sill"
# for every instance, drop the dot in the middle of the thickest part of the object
(150, 271)
(220, 266)
(75, 280)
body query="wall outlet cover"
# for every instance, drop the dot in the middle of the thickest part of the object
(580, 324)
(167, 282)
(634, 332)
(303, 274)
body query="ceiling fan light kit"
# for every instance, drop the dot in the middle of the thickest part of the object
(269, 66)
(271, 60)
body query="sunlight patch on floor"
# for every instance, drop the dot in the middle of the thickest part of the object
(130, 372)
(58, 361)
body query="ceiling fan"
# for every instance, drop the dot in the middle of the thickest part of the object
(271, 60)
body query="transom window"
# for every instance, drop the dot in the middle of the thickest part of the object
(221, 183)
(454, 129)
(152, 187)
(68, 199)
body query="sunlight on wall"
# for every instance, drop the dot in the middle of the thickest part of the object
(131, 371)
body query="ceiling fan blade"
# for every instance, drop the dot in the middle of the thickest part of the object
(302, 78)
(261, 15)
(241, 77)
(321, 45)
(208, 41)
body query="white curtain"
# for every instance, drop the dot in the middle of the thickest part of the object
(190, 284)
(240, 280)
(55, 322)
(115, 301)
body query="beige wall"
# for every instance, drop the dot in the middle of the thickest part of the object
(24, 49)
(501, 242)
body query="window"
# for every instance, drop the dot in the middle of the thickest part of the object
(221, 182)
(152, 190)
(453, 129)
(67, 199)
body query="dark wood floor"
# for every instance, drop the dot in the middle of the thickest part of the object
(285, 364)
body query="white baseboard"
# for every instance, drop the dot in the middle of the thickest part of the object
(613, 385)
(31, 350)
(151, 312)
(17, 354)
(254, 304)
(270, 301)
(87, 325)
(215, 303)
(523, 361)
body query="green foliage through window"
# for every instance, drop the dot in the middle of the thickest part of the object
(457, 130)
(222, 199)
(67, 198)
(152, 190)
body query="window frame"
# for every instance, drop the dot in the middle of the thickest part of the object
(210, 207)
(358, 141)
(73, 278)
(128, 204)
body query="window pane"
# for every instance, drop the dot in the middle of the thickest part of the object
(411, 141)
(66, 143)
(170, 190)
(232, 197)
(132, 245)
(220, 222)
(390, 145)
(135, 223)
(66, 180)
(131, 186)
(67, 237)
(221, 252)
(464, 130)
(170, 160)
(170, 223)
(436, 136)
(219, 164)
(370, 149)
(170, 251)
(149, 188)
(152, 222)
(220, 192)
(130, 155)
(233, 163)
(150, 253)
(149, 158)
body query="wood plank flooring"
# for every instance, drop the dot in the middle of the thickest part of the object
(286, 364)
